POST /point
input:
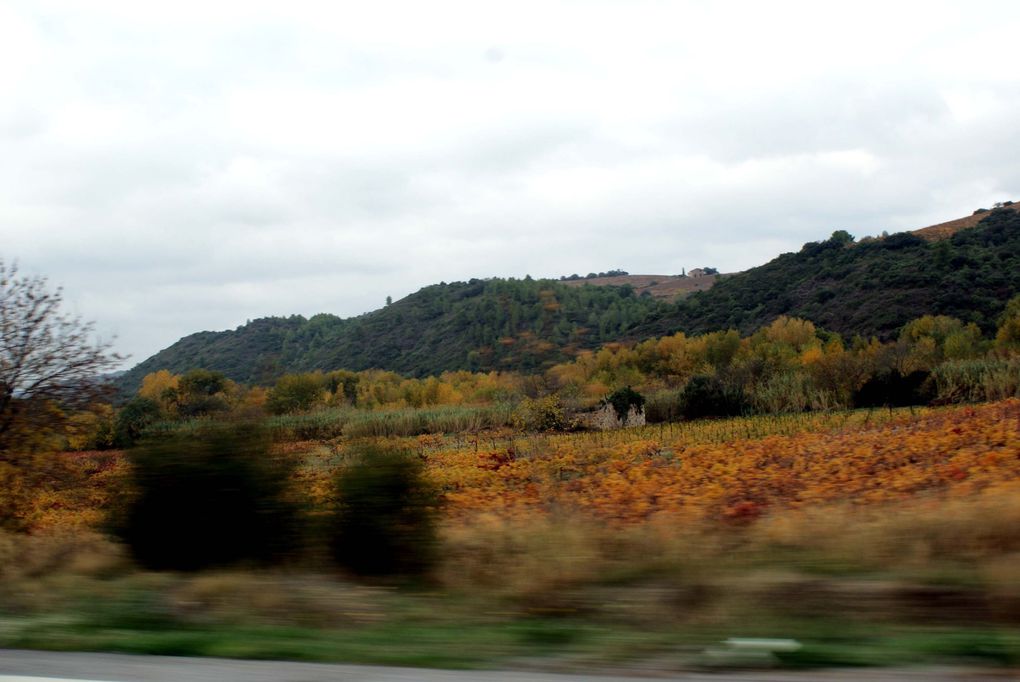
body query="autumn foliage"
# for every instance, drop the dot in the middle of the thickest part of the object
(733, 470)
(949, 452)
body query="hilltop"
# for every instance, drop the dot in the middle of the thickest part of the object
(951, 227)
(494, 324)
(664, 287)
(868, 288)
(669, 287)
(967, 268)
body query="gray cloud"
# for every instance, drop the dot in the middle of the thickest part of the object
(191, 167)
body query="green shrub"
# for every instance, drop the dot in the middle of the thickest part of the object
(708, 396)
(971, 381)
(213, 497)
(623, 399)
(296, 393)
(132, 421)
(203, 405)
(540, 414)
(384, 522)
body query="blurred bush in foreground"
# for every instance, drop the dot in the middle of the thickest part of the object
(385, 519)
(210, 498)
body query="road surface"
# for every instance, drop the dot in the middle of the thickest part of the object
(44, 666)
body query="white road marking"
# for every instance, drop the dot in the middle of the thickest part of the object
(22, 678)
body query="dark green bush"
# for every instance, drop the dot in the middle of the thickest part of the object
(213, 497)
(708, 396)
(296, 393)
(622, 399)
(203, 405)
(384, 522)
(201, 392)
(133, 419)
(892, 389)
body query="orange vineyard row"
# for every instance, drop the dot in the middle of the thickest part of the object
(627, 477)
(951, 452)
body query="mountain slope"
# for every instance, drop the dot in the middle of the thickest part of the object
(480, 325)
(951, 227)
(869, 288)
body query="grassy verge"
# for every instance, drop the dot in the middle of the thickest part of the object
(585, 611)
(530, 642)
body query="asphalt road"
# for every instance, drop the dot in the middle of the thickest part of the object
(43, 666)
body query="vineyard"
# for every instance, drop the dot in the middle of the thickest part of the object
(598, 545)
(956, 452)
(731, 470)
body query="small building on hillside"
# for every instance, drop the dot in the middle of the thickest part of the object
(697, 272)
(606, 418)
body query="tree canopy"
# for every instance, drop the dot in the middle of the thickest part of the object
(48, 359)
(49, 366)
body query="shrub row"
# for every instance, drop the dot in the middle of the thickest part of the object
(218, 496)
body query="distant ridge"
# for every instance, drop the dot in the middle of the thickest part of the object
(482, 325)
(868, 288)
(969, 269)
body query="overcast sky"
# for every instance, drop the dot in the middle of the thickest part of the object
(181, 166)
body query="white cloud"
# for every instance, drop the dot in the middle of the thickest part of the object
(192, 165)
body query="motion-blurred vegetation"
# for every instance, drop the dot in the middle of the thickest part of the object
(384, 520)
(870, 536)
(211, 498)
(856, 495)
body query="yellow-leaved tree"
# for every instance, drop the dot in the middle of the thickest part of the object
(161, 388)
(1007, 338)
(50, 366)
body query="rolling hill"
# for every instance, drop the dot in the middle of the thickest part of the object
(867, 288)
(495, 324)
(967, 269)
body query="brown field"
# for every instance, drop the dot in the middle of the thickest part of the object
(947, 229)
(659, 286)
(669, 287)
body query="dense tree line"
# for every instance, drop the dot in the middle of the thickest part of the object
(506, 324)
(787, 366)
(593, 275)
(871, 287)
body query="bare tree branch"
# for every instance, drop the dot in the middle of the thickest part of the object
(47, 357)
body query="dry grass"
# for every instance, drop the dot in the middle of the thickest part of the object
(516, 584)
(268, 598)
(658, 286)
(895, 558)
(947, 229)
(45, 571)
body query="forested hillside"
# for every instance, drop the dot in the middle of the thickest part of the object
(871, 287)
(480, 325)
